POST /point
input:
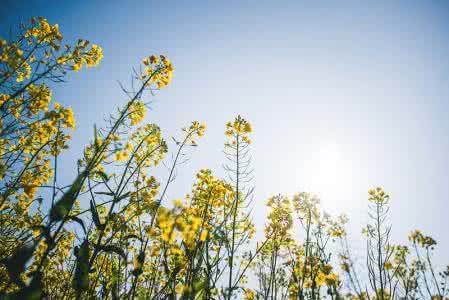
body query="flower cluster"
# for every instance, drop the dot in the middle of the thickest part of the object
(378, 195)
(239, 128)
(417, 237)
(158, 71)
(111, 234)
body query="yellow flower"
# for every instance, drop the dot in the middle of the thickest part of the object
(129, 147)
(249, 294)
(203, 235)
(307, 284)
(121, 156)
(154, 60)
(238, 128)
(36, 232)
(378, 195)
(320, 279)
(179, 289)
(331, 279)
(137, 112)
(77, 66)
(178, 203)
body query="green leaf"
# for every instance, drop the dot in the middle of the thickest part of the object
(16, 263)
(95, 216)
(32, 292)
(103, 175)
(81, 279)
(61, 208)
(105, 193)
(138, 263)
(95, 137)
(113, 248)
(132, 236)
(79, 221)
(115, 283)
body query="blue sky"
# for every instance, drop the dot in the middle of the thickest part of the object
(343, 96)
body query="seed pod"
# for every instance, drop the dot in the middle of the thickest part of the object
(81, 279)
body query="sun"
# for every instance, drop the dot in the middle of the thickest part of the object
(328, 170)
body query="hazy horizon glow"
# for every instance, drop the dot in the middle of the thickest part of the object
(342, 97)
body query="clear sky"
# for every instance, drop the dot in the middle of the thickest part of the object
(343, 95)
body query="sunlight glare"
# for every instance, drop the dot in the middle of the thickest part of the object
(328, 172)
